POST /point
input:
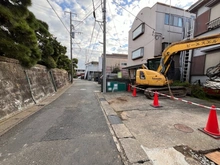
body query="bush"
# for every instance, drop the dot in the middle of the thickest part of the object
(198, 92)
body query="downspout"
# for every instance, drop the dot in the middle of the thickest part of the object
(30, 86)
(53, 81)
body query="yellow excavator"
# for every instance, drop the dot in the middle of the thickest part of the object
(156, 80)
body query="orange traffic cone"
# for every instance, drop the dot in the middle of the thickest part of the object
(129, 88)
(134, 92)
(212, 123)
(155, 102)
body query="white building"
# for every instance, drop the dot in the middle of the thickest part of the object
(92, 70)
(152, 30)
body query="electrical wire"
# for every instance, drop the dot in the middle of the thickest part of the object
(93, 9)
(88, 15)
(61, 20)
(92, 33)
(95, 40)
(58, 16)
(135, 16)
(114, 24)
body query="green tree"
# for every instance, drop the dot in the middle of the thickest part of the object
(116, 69)
(45, 40)
(17, 38)
(75, 62)
(64, 62)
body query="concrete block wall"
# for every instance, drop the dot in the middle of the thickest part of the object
(20, 87)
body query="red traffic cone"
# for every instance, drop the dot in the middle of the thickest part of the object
(155, 102)
(212, 123)
(129, 88)
(134, 92)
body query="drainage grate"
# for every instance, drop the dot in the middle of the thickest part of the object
(102, 99)
(183, 128)
(113, 119)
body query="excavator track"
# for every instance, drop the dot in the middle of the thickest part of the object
(176, 91)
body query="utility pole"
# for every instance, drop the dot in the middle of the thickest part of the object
(72, 35)
(71, 47)
(104, 47)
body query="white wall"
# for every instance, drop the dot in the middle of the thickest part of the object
(154, 17)
(92, 67)
(197, 52)
(146, 40)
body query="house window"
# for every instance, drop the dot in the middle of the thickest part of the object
(138, 31)
(166, 19)
(173, 20)
(138, 53)
(123, 64)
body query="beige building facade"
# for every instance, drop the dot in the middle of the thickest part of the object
(152, 30)
(115, 61)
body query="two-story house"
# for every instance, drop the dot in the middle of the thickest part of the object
(152, 31)
(207, 22)
(92, 70)
(115, 62)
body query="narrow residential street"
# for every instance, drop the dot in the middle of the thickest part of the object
(72, 130)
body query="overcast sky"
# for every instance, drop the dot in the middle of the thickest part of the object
(87, 44)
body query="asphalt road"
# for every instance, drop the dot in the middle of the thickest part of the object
(72, 130)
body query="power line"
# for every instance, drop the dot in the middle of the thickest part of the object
(134, 16)
(95, 41)
(61, 20)
(92, 33)
(88, 15)
(114, 24)
(58, 17)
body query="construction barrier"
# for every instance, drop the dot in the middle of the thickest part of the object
(211, 129)
(179, 99)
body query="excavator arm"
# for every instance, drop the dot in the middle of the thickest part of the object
(185, 45)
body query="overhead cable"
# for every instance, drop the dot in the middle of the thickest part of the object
(61, 20)
(134, 16)
(114, 24)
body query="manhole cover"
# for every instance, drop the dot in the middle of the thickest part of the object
(183, 128)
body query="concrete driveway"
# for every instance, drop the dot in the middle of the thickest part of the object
(165, 135)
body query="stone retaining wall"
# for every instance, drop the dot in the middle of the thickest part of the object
(20, 87)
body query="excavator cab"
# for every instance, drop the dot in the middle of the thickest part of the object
(150, 78)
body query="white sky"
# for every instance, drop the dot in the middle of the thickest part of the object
(88, 47)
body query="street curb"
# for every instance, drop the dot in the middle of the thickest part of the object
(130, 154)
(14, 119)
(100, 97)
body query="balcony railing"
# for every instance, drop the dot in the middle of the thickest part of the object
(214, 24)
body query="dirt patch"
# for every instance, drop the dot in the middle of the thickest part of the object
(198, 156)
(117, 100)
(121, 99)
